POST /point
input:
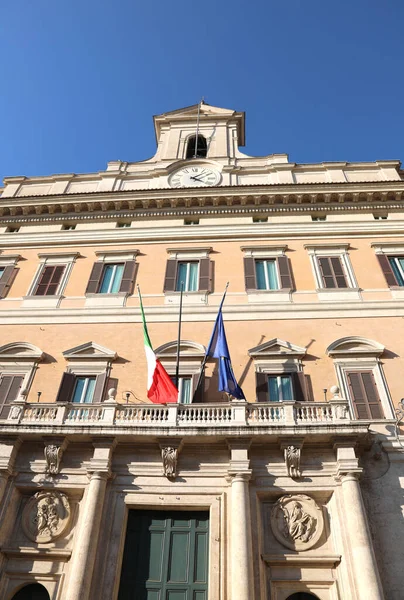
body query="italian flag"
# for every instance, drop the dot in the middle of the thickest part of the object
(160, 388)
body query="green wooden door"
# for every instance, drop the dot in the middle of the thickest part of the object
(166, 556)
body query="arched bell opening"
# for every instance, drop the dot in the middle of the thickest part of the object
(32, 591)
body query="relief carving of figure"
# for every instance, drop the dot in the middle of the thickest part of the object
(299, 525)
(46, 516)
(169, 456)
(297, 521)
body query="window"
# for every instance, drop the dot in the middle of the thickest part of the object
(279, 372)
(360, 376)
(332, 272)
(10, 387)
(184, 389)
(197, 147)
(49, 281)
(191, 358)
(84, 389)
(364, 395)
(192, 267)
(260, 219)
(380, 217)
(280, 388)
(124, 224)
(265, 272)
(318, 217)
(187, 276)
(191, 222)
(67, 227)
(393, 269)
(12, 229)
(112, 278)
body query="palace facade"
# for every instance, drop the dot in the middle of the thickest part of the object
(294, 494)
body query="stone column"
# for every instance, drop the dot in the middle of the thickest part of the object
(241, 555)
(85, 544)
(242, 584)
(367, 580)
(368, 585)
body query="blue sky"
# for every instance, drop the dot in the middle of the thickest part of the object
(81, 80)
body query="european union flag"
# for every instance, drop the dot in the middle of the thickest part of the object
(218, 348)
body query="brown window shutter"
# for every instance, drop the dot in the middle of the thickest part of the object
(299, 387)
(198, 392)
(10, 386)
(309, 388)
(249, 273)
(364, 395)
(129, 276)
(66, 388)
(95, 278)
(262, 387)
(326, 272)
(49, 280)
(338, 272)
(170, 276)
(386, 268)
(284, 272)
(99, 388)
(205, 275)
(7, 279)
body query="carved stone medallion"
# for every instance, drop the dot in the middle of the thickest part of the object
(46, 516)
(297, 521)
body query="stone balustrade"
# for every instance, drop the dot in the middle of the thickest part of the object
(181, 415)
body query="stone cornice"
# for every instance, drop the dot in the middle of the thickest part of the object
(239, 199)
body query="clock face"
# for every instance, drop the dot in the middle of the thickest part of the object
(195, 176)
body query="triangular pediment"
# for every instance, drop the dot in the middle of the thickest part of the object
(89, 350)
(355, 345)
(205, 109)
(277, 347)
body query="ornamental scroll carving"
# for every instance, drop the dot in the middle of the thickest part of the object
(46, 516)
(53, 456)
(170, 457)
(292, 460)
(297, 521)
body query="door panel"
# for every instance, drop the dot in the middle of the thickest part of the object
(165, 556)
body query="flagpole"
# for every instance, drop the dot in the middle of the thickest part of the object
(206, 355)
(177, 366)
(197, 130)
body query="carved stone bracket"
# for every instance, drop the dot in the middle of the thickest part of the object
(170, 449)
(53, 451)
(292, 450)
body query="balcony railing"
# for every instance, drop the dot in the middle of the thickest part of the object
(180, 415)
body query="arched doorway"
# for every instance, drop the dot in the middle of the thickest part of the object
(302, 596)
(33, 591)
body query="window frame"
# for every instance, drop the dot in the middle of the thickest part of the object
(112, 282)
(356, 353)
(188, 255)
(268, 253)
(316, 251)
(191, 358)
(66, 259)
(105, 258)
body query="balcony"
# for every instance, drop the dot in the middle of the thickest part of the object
(111, 417)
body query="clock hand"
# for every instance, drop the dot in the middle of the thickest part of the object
(196, 179)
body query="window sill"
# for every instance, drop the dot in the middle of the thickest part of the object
(265, 296)
(42, 301)
(105, 300)
(397, 292)
(187, 298)
(338, 294)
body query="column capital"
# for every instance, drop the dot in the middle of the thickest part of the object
(97, 474)
(235, 476)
